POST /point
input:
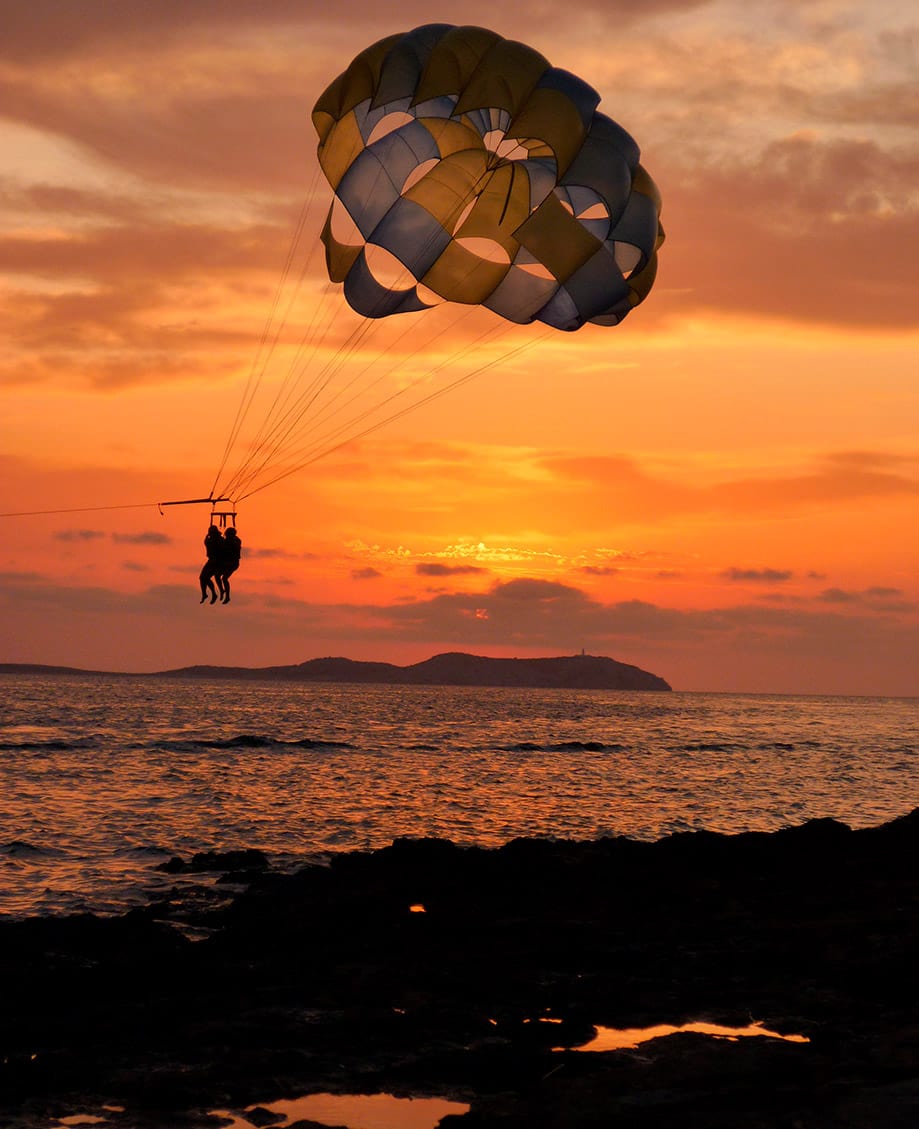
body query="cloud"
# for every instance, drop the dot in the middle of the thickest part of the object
(879, 597)
(365, 574)
(790, 228)
(57, 29)
(126, 285)
(502, 554)
(434, 569)
(134, 566)
(639, 494)
(536, 591)
(78, 534)
(758, 575)
(599, 570)
(871, 461)
(278, 555)
(146, 538)
(838, 596)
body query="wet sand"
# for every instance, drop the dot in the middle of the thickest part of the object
(430, 969)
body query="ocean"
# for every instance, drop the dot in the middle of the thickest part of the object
(103, 779)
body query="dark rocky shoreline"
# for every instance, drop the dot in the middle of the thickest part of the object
(330, 980)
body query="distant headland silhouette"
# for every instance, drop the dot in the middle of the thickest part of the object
(454, 668)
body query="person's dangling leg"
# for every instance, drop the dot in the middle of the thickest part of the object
(207, 584)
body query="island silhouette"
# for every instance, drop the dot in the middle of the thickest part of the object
(453, 668)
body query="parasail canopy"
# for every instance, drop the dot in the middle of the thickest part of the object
(468, 169)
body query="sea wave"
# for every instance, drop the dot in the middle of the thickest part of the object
(53, 746)
(20, 849)
(255, 741)
(563, 747)
(711, 747)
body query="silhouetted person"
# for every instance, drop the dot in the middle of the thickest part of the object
(229, 561)
(213, 546)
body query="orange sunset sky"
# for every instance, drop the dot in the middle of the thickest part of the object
(723, 490)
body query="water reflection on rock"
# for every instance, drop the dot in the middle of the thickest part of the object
(627, 1038)
(351, 1111)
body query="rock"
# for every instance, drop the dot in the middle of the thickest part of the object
(217, 861)
(326, 980)
(259, 1117)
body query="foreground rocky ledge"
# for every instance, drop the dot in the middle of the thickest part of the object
(333, 979)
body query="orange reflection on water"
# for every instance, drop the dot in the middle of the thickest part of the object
(627, 1038)
(356, 1111)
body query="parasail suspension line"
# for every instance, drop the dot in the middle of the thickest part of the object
(83, 509)
(219, 517)
(223, 518)
(195, 502)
